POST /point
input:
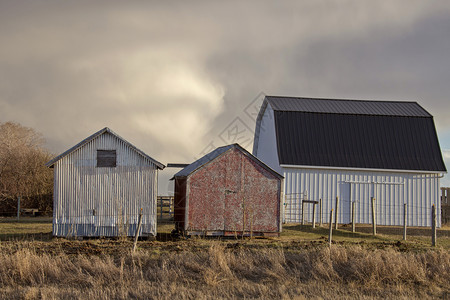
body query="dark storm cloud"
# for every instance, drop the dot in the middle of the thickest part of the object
(413, 65)
(171, 76)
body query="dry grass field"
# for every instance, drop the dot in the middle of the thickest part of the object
(297, 265)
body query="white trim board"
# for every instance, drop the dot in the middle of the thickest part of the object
(363, 169)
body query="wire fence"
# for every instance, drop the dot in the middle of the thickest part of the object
(386, 211)
(164, 211)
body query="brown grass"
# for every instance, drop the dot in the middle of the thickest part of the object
(224, 270)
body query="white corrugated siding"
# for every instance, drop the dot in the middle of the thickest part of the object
(391, 190)
(116, 194)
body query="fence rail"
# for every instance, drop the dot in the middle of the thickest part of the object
(165, 208)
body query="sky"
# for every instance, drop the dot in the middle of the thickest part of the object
(179, 78)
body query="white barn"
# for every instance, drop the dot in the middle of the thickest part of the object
(100, 186)
(354, 150)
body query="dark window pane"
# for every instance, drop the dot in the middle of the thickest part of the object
(106, 158)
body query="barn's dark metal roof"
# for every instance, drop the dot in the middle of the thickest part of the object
(94, 136)
(355, 134)
(213, 155)
(338, 106)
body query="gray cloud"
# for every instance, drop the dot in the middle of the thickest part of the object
(170, 77)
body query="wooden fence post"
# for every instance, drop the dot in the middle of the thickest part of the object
(433, 226)
(374, 217)
(330, 234)
(336, 213)
(18, 208)
(353, 216)
(404, 221)
(303, 213)
(320, 212)
(136, 235)
(314, 216)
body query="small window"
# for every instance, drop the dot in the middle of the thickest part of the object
(106, 158)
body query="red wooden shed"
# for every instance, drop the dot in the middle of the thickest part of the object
(228, 192)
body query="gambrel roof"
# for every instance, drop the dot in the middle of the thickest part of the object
(94, 136)
(391, 135)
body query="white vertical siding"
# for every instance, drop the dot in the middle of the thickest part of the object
(390, 189)
(266, 146)
(91, 201)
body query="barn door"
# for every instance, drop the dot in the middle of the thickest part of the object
(345, 203)
(362, 193)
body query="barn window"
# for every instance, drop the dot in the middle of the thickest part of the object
(106, 158)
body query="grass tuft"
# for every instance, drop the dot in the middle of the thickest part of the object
(221, 271)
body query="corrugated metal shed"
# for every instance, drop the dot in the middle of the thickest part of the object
(228, 192)
(353, 150)
(104, 201)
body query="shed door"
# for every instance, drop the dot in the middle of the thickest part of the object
(234, 202)
(206, 204)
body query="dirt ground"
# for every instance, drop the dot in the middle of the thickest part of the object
(36, 234)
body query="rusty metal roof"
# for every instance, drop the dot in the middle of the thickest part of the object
(216, 153)
(94, 136)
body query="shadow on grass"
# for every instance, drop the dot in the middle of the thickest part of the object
(324, 231)
(27, 220)
(41, 236)
(366, 230)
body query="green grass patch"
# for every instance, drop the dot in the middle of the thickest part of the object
(27, 228)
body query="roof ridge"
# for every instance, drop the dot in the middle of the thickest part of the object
(214, 154)
(93, 136)
(347, 106)
(345, 99)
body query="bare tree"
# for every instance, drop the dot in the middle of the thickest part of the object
(22, 169)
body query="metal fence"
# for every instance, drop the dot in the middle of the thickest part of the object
(296, 212)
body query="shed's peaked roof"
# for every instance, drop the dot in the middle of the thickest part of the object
(94, 136)
(355, 134)
(216, 153)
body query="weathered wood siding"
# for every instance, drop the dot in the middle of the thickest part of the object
(105, 201)
(231, 193)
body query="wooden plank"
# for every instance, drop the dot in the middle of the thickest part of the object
(336, 213)
(136, 235)
(314, 216)
(374, 217)
(404, 220)
(310, 201)
(330, 233)
(176, 165)
(433, 226)
(353, 216)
